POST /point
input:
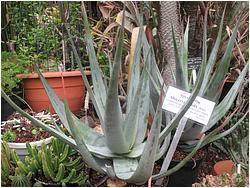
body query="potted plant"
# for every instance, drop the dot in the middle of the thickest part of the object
(39, 38)
(18, 130)
(36, 169)
(191, 131)
(125, 151)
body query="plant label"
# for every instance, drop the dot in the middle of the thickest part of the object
(200, 111)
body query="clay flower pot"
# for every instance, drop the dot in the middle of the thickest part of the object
(67, 85)
(225, 166)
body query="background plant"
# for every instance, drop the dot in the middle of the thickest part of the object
(236, 145)
(208, 89)
(12, 64)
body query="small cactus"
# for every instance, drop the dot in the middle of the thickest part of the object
(20, 180)
(7, 167)
(57, 163)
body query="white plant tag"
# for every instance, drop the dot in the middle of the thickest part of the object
(199, 111)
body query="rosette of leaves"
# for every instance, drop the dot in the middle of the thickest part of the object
(124, 151)
(209, 89)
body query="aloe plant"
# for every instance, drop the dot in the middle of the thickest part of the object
(124, 151)
(209, 89)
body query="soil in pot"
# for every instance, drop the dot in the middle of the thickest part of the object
(188, 174)
(18, 129)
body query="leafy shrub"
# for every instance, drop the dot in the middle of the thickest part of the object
(12, 64)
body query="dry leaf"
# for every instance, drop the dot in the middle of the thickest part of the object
(105, 9)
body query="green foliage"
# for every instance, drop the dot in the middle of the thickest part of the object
(11, 65)
(103, 61)
(7, 167)
(36, 131)
(236, 144)
(20, 181)
(8, 136)
(35, 34)
(58, 163)
(125, 151)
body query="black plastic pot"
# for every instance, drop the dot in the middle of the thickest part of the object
(227, 86)
(6, 110)
(186, 176)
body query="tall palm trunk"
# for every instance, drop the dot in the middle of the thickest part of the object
(169, 14)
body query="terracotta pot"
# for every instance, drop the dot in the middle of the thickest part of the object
(67, 85)
(225, 166)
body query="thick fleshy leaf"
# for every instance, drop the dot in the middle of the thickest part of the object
(99, 107)
(113, 129)
(90, 135)
(98, 83)
(131, 121)
(184, 58)
(218, 75)
(55, 101)
(86, 155)
(40, 124)
(180, 164)
(105, 152)
(134, 65)
(222, 108)
(136, 121)
(213, 136)
(125, 167)
(164, 148)
(180, 75)
(173, 144)
(212, 58)
(143, 109)
(146, 162)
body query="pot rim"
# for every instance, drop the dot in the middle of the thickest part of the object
(14, 145)
(54, 74)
